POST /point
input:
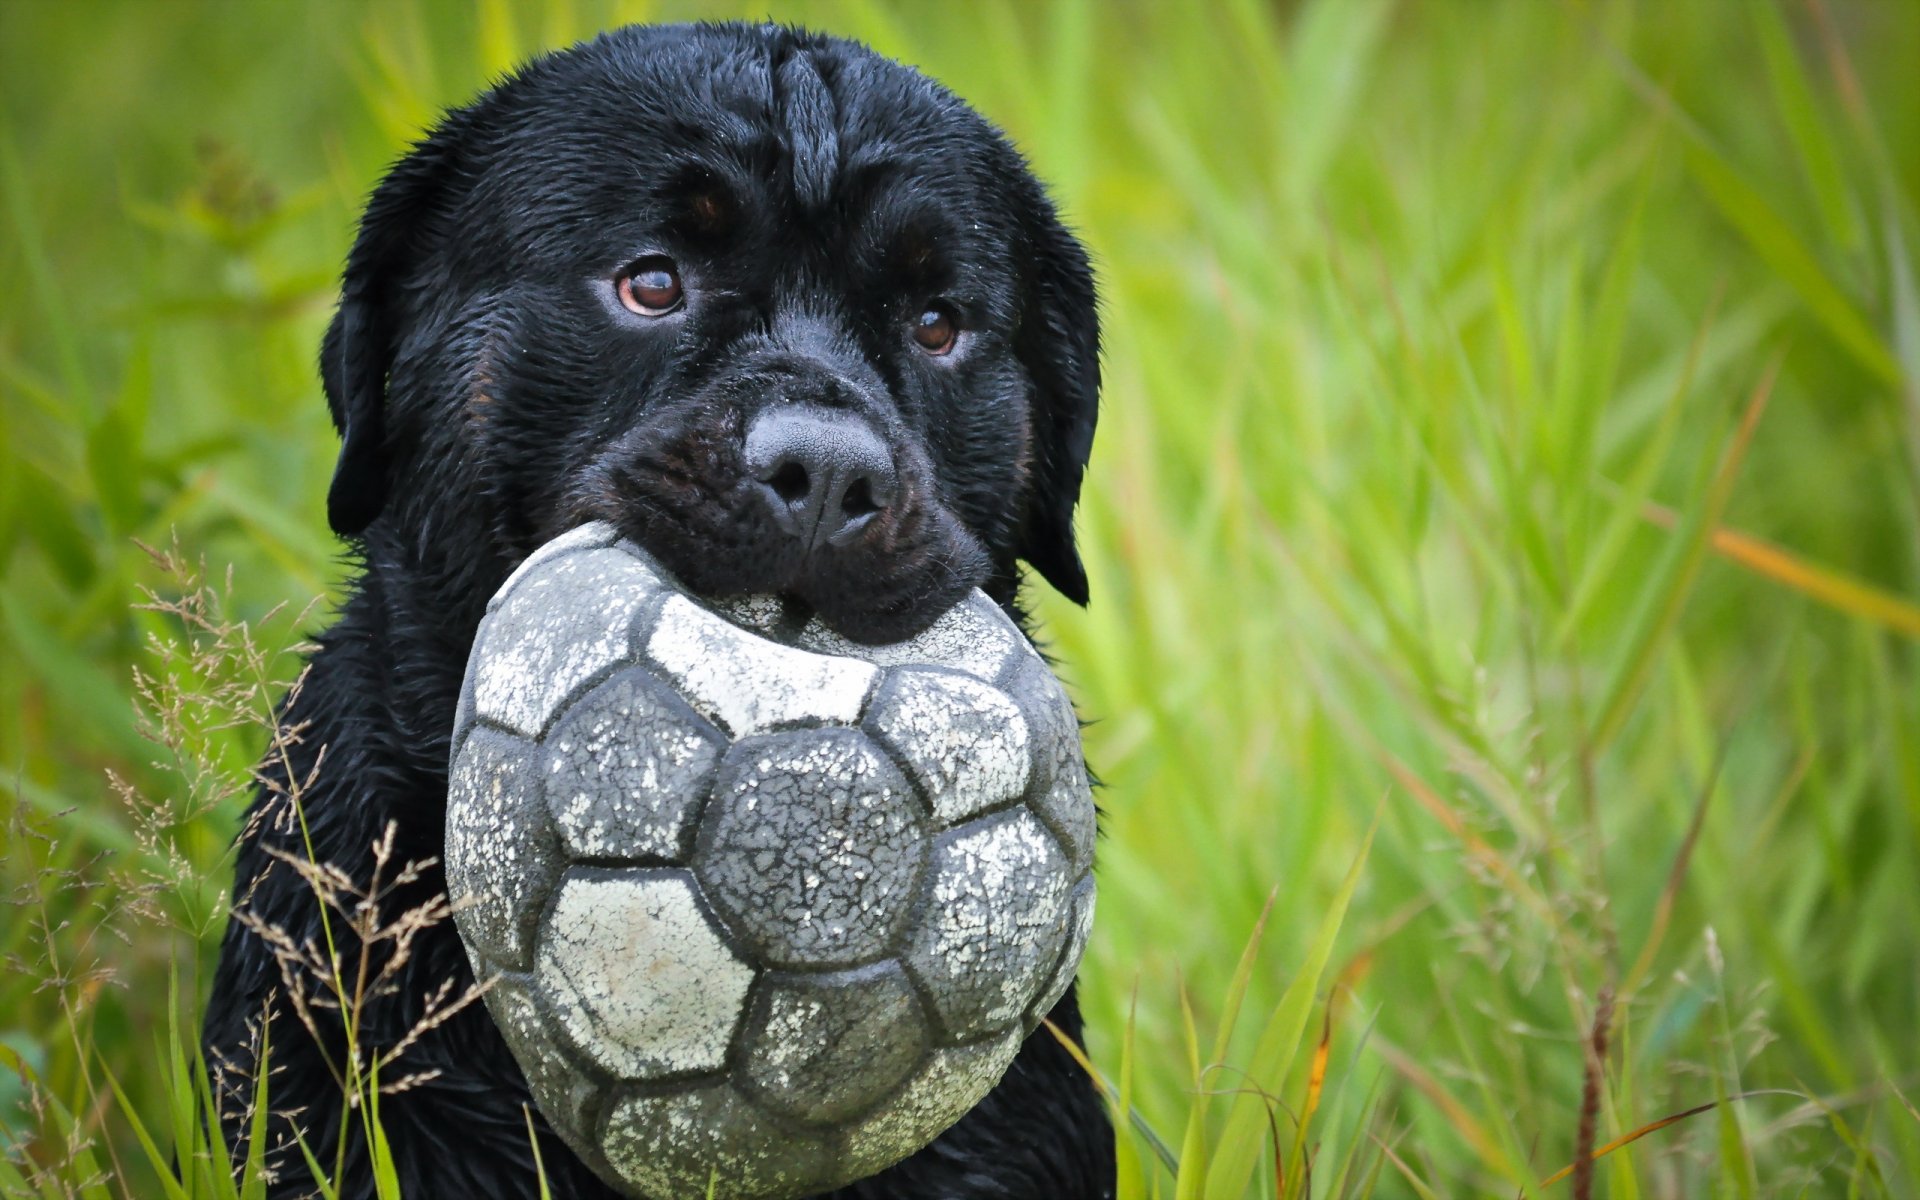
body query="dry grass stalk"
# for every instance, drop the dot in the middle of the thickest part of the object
(322, 985)
(214, 686)
(1593, 1079)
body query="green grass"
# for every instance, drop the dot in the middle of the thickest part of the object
(1510, 447)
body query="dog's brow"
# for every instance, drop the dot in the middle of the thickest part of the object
(916, 235)
(701, 198)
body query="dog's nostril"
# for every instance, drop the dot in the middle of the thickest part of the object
(858, 499)
(790, 482)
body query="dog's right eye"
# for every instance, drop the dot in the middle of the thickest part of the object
(650, 287)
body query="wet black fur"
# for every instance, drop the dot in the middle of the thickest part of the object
(490, 392)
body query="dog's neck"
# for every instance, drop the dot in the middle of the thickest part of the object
(412, 610)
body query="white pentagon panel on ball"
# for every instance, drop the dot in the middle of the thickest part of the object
(566, 622)
(591, 536)
(1070, 954)
(676, 1145)
(995, 924)
(636, 974)
(501, 851)
(811, 847)
(973, 636)
(628, 764)
(821, 1049)
(963, 740)
(748, 684)
(953, 1080)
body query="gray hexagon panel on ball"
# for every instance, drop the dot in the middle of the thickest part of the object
(995, 924)
(764, 905)
(627, 767)
(811, 847)
(964, 741)
(502, 855)
(559, 1087)
(675, 1145)
(940, 1093)
(561, 625)
(1069, 962)
(591, 536)
(1064, 795)
(822, 1048)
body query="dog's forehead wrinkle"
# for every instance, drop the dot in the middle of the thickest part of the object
(809, 121)
(770, 134)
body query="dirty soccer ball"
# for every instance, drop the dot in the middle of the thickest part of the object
(766, 907)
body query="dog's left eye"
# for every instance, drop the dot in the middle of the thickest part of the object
(935, 329)
(651, 287)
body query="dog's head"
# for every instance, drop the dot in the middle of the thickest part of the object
(790, 314)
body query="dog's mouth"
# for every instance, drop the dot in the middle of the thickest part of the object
(873, 594)
(730, 526)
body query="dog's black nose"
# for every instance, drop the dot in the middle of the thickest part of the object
(825, 474)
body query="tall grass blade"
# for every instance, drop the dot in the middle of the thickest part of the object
(1627, 1139)
(1457, 1114)
(254, 1175)
(1193, 1143)
(1774, 240)
(1601, 559)
(1835, 589)
(1407, 1173)
(1129, 1170)
(1906, 334)
(1666, 594)
(1793, 95)
(1241, 1141)
(157, 1160)
(322, 1178)
(539, 1165)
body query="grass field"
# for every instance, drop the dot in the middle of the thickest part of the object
(1504, 532)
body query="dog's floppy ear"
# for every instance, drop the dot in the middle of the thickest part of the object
(358, 348)
(1059, 343)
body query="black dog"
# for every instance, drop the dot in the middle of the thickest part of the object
(797, 320)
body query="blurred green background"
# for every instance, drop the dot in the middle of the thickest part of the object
(1510, 441)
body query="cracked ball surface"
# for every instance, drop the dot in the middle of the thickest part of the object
(762, 905)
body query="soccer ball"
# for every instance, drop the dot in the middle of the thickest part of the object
(763, 907)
